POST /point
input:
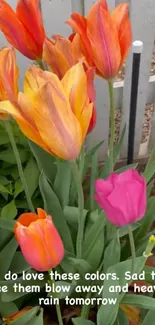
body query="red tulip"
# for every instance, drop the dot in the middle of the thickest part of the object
(39, 240)
(24, 28)
(105, 37)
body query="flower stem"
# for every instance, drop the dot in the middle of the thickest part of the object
(58, 310)
(86, 308)
(112, 122)
(41, 64)
(19, 164)
(132, 245)
(77, 179)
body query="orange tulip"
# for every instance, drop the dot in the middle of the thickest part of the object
(105, 37)
(8, 76)
(62, 53)
(24, 28)
(52, 113)
(39, 240)
(15, 316)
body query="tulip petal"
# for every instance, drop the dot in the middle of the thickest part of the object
(28, 12)
(15, 32)
(121, 19)
(75, 85)
(24, 122)
(55, 58)
(103, 37)
(8, 74)
(32, 247)
(53, 241)
(79, 24)
(61, 130)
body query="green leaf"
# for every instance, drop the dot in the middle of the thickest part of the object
(7, 224)
(118, 146)
(139, 301)
(81, 321)
(63, 182)
(3, 189)
(28, 317)
(149, 318)
(8, 251)
(93, 244)
(7, 308)
(46, 162)
(150, 167)
(112, 252)
(106, 314)
(81, 266)
(72, 215)
(19, 264)
(53, 207)
(31, 174)
(148, 219)
(63, 284)
(124, 168)
(121, 318)
(93, 177)
(18, 188)
(123, 231)
(89, 155)
(8, 155)
(9, 211)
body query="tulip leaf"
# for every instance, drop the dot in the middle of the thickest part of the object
(7, 308)
(7, 224)
(124, 168)
(46, 162)
(148, 219)
(107, 313)
(62, 182)
(9, 211)
(150, 167)
(53, 207)
(81, 266)
(19, 264)
(8, 251)
(139, 301)
(93, 244)
(9, 157)
(121, 318)
(149, 318)
(118, 146)
(112, 252)
(81, 321)
(28, 317)
(31, 174)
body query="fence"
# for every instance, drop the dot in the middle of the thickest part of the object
(142, 14)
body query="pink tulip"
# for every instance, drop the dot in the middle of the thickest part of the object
(122, 197)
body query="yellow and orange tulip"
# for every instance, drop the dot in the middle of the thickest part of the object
(52, 113)
(8, 76)
(23, 29)
(15, 316)
(62, 53)
(39, 240)
(105, 37)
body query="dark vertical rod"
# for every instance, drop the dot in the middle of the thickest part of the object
(137, 50)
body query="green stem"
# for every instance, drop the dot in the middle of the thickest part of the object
(41, 64)
(77, 179)
(132, 245)
(19, 164)
(112, 121)
(86, 308)
(58, 310)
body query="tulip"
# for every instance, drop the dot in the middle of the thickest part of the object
(39, 240)
(122, 197)
(8, 76)
(15, 316)
(105, 37)
(23, 29)
(62, 53)
(52, 113)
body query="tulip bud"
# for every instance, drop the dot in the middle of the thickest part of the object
(39, 240)
(122, 197)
